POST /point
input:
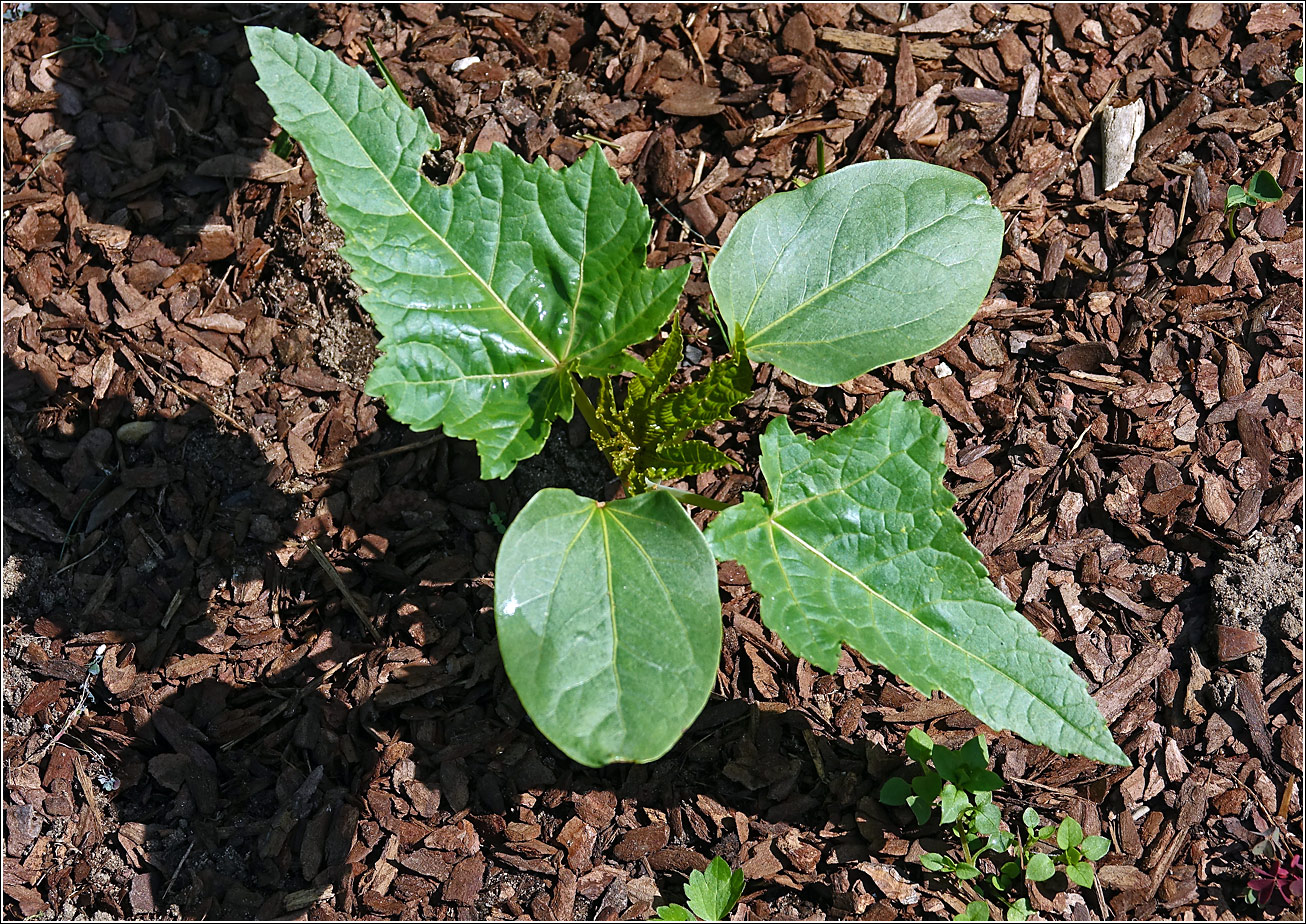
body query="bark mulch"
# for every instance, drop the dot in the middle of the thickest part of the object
(299, 707)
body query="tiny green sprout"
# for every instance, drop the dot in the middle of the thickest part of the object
(711, 894)
(1297, 74)
(1262, 187)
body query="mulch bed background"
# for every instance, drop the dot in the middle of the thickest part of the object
(301, 708)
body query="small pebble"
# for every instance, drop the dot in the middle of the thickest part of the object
(135, 432)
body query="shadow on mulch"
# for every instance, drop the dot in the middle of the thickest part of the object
(242, 793)
(241, 790)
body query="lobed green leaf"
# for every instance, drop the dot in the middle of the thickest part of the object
(858, 544)
(712, 892)
(488, 292)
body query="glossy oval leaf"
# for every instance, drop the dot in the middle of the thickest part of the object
(608, 622)
(858, 544)
(486, 292)
(859, 268)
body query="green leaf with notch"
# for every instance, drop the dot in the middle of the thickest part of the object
(487, 292)
(1039, 868)
(1263, 187)
(952, 802)
(864, 266)
(713, 892)
(988, 820)
(858, 544)
(936, 862)
(1081, 874)
(1236, 197)
(975, 911)
(608, 622)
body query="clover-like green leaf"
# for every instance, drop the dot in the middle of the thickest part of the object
(1095, 847)
(952, 802)
(674, 913)
(1039, 868)
(921, 807)
(1263, 187)
(858, 543)
(714, 891)
(1081, 874)
(608, 622)
(919, 746)
(934, 862)
(975, 911)
(869, 264)
(487, 292)
(1069, 833)
(966, 870)
(895, 791)
(988, 820)
(1236, 197)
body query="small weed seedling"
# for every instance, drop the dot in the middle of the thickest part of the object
(961, 785)
(1276, 883)
(511, 297)
(711, 894)
(1262, 187)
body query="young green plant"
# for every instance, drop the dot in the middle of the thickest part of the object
(499, 296)
(961, 786)
(1262, 187)
(710, 894)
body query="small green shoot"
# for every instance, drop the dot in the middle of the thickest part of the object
(800, 182)
(1262, 187)
(961, 786)
(711, 894)
(98, 43)
(283, 145)
(385, 72)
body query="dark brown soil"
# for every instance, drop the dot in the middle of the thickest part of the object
(301, 709)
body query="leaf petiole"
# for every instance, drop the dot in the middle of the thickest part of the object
(689, 497)
(587, 407)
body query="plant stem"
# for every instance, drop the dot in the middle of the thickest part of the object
(587, 407)
(689, 497)
(960, 832)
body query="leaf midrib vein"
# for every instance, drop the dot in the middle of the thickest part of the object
(861, 269)
(911, 616)
(424, 223)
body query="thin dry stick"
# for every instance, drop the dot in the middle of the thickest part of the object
(92, 670)
(175, 872)
(334, 575)
(372, 457)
